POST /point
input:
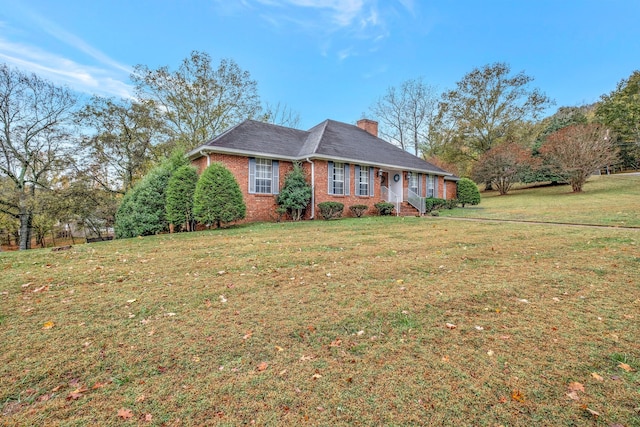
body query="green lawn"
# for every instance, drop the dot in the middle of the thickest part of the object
(606, 200)
(372, 321)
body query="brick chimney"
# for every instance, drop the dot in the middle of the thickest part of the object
(370, 126)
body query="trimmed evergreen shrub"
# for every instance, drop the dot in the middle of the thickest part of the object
(142, 211)
(452, 203)
(180, 190)
(331, 210)
(384, 208)
(295, 194)
(468, 193)
(217, 199)
(358, 210)
(432, 203)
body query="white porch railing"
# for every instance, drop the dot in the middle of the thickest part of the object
(416, 201)
(391, 197)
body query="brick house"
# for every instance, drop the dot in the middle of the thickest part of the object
(343, 163)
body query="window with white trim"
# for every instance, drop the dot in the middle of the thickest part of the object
(363, 181)
(263, 176)
(430, 186)
(413, 183)
(338, 178)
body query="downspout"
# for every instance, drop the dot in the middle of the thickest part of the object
(313, 189)
(208, 158)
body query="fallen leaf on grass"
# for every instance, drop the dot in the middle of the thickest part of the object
(316, 377)
(262, 366)
(125, 414)
(148, 418)
(626, 367)
(278, 348)
(77, 393)
(132, 300)
(575, 386)
(98, 385)
(48, 325)
(247, 335)
(595, 414)
(450, 325)
(573, 395)
(597, 377)
(336, 343)
(222, 298)
(140, 398)
(517, 396)
(305, 358)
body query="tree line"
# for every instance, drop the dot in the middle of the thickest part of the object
(491, 127)
(67, 163)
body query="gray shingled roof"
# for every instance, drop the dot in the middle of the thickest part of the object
(329, 140)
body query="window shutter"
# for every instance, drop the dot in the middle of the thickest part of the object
(346, 179)
(330, 177)
(435, 186)
(371, 181)
(275, 177)
(420, 184)
(252, 175)
(356, 180)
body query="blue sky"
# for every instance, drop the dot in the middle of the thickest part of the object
(328, 58)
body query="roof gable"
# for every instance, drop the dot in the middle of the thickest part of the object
(329, 140)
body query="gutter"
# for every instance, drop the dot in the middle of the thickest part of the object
(313, 189)
(202, 153)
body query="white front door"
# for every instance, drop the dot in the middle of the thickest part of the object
(395, 184)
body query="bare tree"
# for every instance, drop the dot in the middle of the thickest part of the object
(198, 100)
(281, 114)
(576, 152)
(405, 114)
(34, 141)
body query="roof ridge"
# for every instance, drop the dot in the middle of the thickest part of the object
(310, 133)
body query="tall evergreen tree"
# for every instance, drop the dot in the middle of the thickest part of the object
(218, 198)
(180, 190)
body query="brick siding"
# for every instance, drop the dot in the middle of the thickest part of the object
(262, 207)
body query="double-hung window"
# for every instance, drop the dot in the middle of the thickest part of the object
(414, 181)
(338, 178)
(364, 180)
(263, 176)
(432, 186)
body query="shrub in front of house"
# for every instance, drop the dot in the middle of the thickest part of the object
(295, 194)
(434, 203)
(358, 210)
(451, 203)
(218, 198)
(331, 210)
(180, 189)
(468, 193)
(142, 211)
(384, 208)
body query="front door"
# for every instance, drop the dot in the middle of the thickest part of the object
(395, 184)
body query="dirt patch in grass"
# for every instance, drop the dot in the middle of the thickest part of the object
(326, 323)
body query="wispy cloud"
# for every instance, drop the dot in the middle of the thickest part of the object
(60, 70)
(342, 24)
(99, 75)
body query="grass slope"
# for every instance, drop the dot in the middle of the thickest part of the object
(327, 323)
(606, 200)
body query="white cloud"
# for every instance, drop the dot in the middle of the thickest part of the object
(99, 75)
(63, 71)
